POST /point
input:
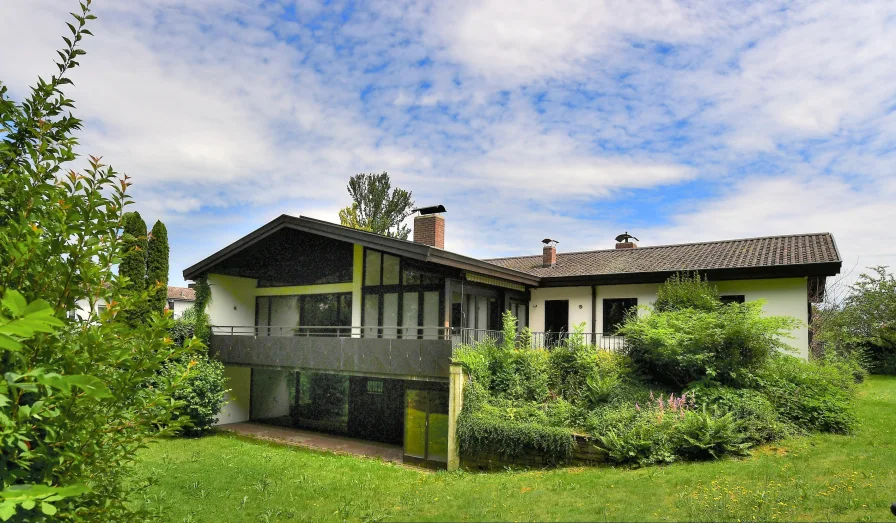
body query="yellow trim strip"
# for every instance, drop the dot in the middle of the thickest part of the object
(490, 280)
(327, 288)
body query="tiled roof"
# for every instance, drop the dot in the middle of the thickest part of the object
(729, 254)
(181, 293)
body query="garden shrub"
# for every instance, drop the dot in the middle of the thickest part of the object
(632, 435)
(811, 395)
(726, 344)
(486, 430)
(571, 364)
(201, 391)
(759, 420)
(74, 406)
(708, 433)
(687, 291)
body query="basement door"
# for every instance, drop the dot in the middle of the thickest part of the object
(426, 427)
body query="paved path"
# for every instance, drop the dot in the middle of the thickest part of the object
(317, 440)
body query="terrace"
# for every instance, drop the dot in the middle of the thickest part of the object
(421, 353)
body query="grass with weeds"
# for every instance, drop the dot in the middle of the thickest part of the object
(818, 478)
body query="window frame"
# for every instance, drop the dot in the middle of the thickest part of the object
(606, 330)
(400, 288)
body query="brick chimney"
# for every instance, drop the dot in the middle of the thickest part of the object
(624, 241)
(429, 229)
(549, 253)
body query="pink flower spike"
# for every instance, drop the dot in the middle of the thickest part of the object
(651, 396)
(637, 407)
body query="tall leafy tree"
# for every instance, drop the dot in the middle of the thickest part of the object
(157, 266)
(865, 321)
(74, 408)
(377, 207)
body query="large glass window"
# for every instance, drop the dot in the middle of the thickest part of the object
(410, 314)
(326, 310)
(390, 269)
(372, 267)
(400, 299)
(284, 315)
(390, 315)
(371, 315)
(431, 320)
(288, 315)
(615, 311)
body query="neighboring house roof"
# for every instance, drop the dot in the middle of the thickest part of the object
(749, 253)
(813, 255)
(181, 293)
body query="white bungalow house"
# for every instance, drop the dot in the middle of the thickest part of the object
(179, 300)
(339, 330)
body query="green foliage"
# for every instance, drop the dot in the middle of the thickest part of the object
(811, 395)
(201, 323)
(200, 393)
(726, 344)
(157, 266)
(571, 364)
(132, 269)
(73, 406)
(631, 435)
(487, 430)
(687, 291)
(375, 208)
(702, 434)
(865, 323)
(759, 421)
(504, 370)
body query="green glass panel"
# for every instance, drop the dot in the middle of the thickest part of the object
(415, 424)
(438, 426)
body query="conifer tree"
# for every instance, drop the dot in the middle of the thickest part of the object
(157, 266)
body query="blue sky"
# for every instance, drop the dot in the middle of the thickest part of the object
(675, 120)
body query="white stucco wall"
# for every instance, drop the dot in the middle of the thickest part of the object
(577, 296)
(236, 406)
(644, 292)
(232, 300)
(784, 297)
(83, 310)
(180, 306)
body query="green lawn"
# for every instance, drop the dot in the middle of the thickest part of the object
(819, 478)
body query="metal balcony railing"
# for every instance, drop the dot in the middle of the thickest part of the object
(416, 333)
(538, 340)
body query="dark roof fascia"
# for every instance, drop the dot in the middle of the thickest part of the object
(737, 273)
(403, 248)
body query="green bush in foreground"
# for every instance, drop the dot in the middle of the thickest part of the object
(74, 406)
(810, 395)
(725, 344)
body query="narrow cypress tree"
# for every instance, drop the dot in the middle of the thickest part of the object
(157, 266)
(133, 264)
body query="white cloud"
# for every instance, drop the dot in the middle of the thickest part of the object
(519, 116)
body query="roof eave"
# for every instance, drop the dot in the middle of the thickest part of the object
(717, 274)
